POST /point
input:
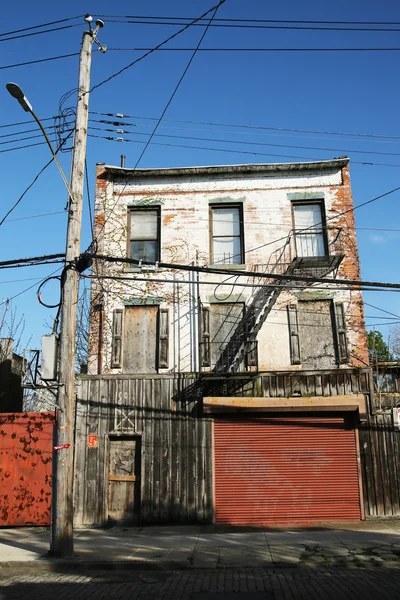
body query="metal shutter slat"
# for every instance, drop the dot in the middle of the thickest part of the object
(285, 470)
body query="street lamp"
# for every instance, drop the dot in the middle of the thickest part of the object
(19, 95)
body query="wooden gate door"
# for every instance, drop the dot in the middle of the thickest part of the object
(124, 480)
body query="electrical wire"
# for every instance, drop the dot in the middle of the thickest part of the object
(32, 261)
(14, 206)
(188, 49)
(23, 291)
(214, 11)
(29, 137)
(25, 35)
(39, 60)
(151, 50)
(247, 143)
(256, 133)
(238, 25)
(252, 274)
(172, 96)
(58, 212)
(236, 20)
(35, 129)
(231, 151)
(42, 25)
(242, 126)
(25, 122)
(382, 310)
(253, 128)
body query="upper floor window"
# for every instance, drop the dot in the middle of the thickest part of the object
(310, 230)
(227, 244)
(144, 232)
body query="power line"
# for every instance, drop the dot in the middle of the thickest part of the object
(25, 122)
(247, 143)
(8, 135)
(5, 264)
(25, 35)
(153, 133)
(135, 279)
(14, 206)
(235, 20)
(26, 289)
(254, 275)
(20, 280)
(241, 25)
(42, 25)
(39, 60)
(145, 49)
(58, 212)
(242, 126)
(23, 147)
(253, 128)
(254, 132)
(382, 310)
(23, 139)
(147, 143)
(151, 50)
(228, 150)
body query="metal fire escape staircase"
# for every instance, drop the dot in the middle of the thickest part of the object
(240, 351)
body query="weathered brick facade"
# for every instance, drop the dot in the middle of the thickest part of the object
(184, 196)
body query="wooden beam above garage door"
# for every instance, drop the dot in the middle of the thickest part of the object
(349, 402)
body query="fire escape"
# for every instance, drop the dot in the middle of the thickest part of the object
(315, 253)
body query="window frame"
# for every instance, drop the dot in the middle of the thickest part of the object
(307, 202)
(133, 209)
(239, 207)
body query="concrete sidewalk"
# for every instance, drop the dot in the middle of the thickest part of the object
(375, 542)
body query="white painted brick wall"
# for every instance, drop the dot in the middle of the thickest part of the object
(185, 239)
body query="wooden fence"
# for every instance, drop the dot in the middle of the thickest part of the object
(165, 412)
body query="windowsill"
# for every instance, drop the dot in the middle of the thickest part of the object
(230, 267)
(144, 269)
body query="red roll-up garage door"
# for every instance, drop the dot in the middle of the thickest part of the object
(281, 470)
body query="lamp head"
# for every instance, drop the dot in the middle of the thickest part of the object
(19, 95)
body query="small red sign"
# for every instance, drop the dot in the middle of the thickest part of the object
(62, 447)
(93, 441)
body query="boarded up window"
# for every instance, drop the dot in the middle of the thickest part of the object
(224, 321)
(116, 351)
(294, 335)
(205, 338)
(341, 333)
(164, 337)
(140, 339)
(317, 337)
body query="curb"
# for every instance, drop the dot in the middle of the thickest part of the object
(81, 566)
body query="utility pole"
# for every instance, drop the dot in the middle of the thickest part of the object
(62, 542)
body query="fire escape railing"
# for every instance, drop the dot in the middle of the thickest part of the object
(308, 252)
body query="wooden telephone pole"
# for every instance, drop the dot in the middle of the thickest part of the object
(62, 541)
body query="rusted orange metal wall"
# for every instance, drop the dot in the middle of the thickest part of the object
(284, 470)
(26, 441)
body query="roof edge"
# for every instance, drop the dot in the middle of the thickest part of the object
(226, 169)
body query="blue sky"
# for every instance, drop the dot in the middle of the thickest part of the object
(350, 92)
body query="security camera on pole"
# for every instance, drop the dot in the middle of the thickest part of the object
(62, 542)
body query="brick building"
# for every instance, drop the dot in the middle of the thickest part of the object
(231, 388)
(290, 220)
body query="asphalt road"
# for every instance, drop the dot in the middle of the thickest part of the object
(379, 583)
